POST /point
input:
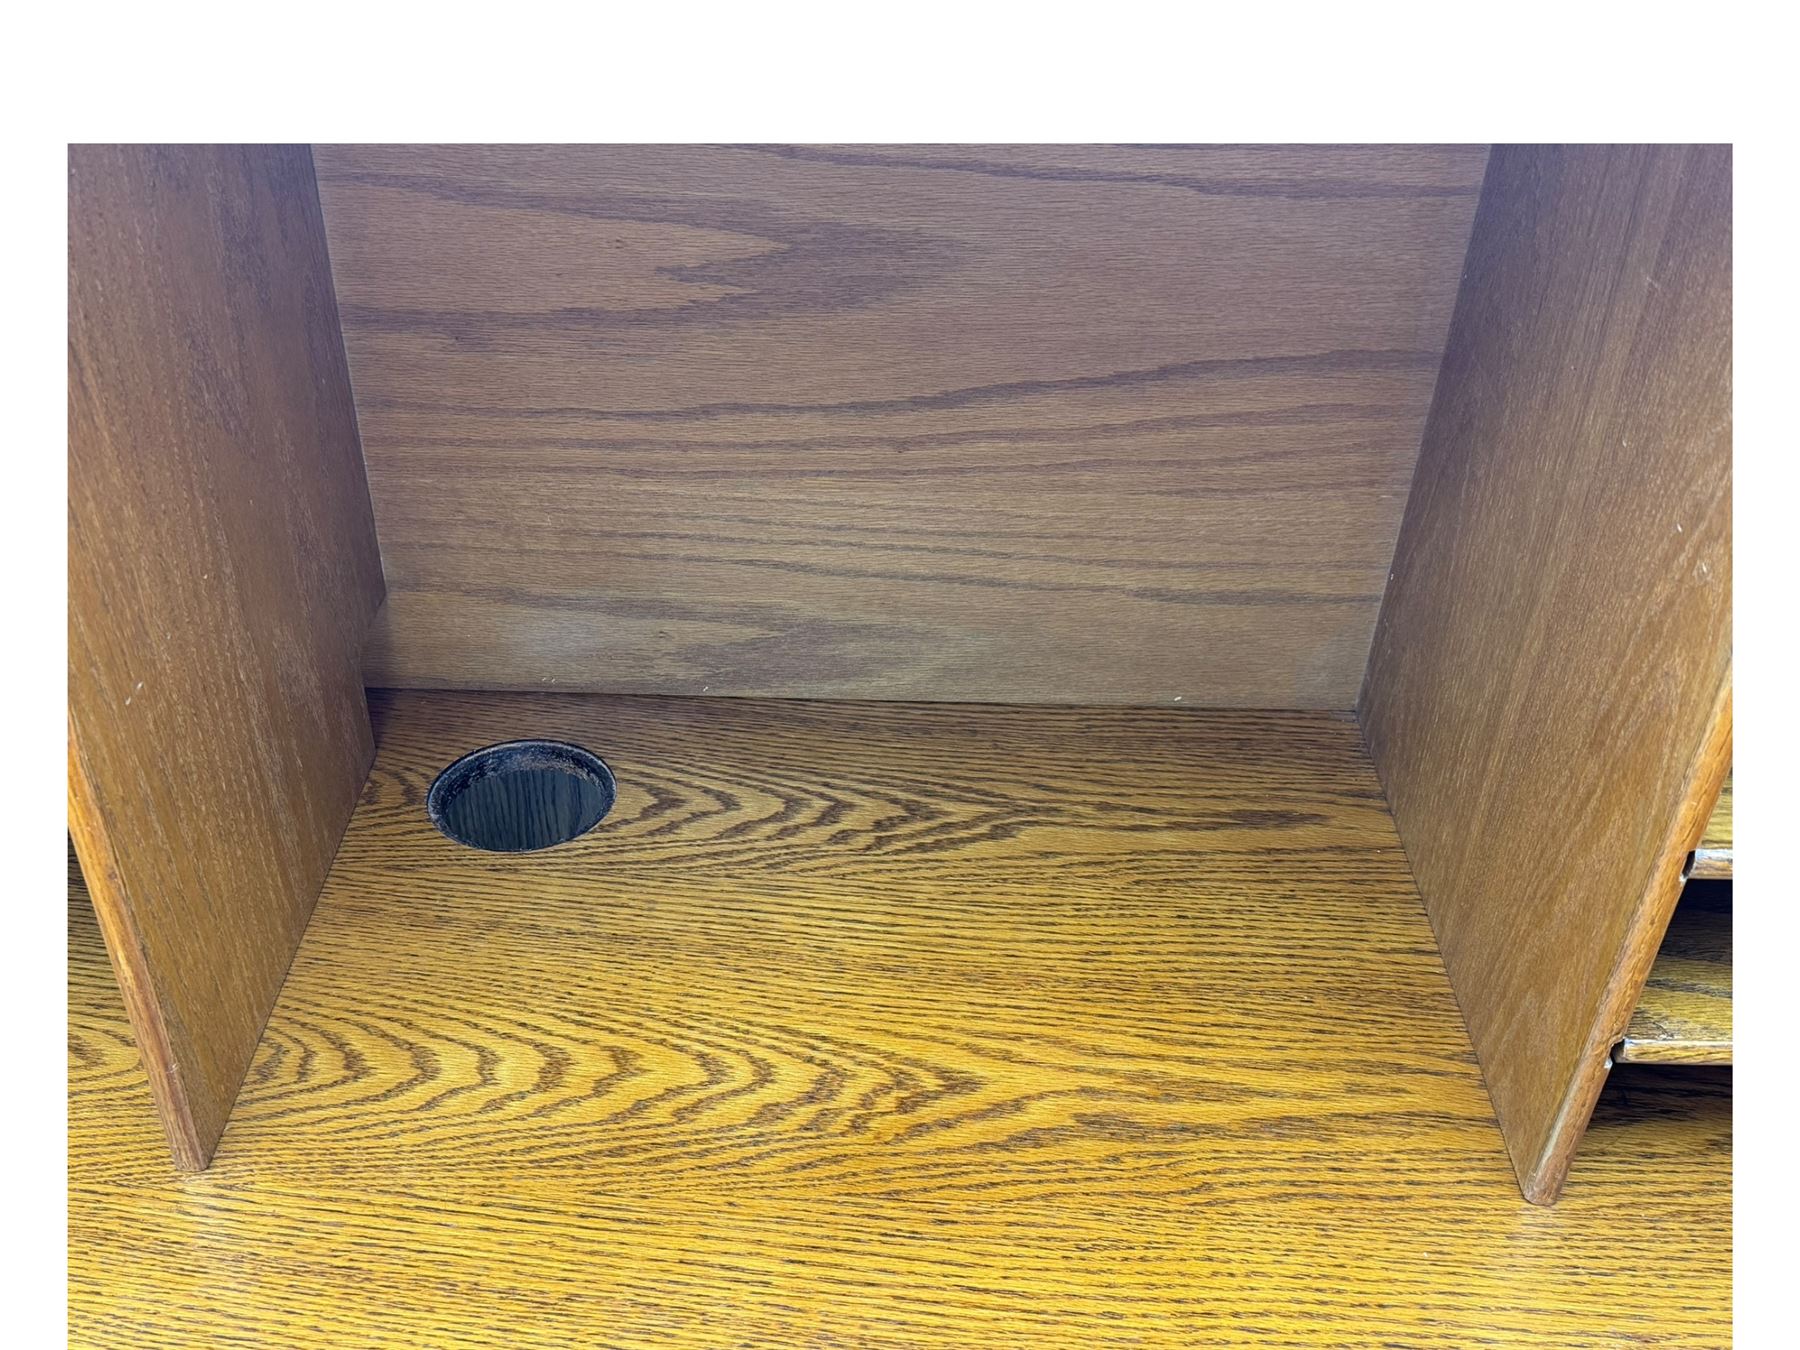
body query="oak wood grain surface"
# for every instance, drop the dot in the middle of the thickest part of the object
(1684, 1014)
(880, 1026)
(1548, 697)
(222, 571)
(1712, 860)
(1077, 424)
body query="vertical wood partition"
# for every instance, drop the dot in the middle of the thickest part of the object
(1548, 699)
(222, 571)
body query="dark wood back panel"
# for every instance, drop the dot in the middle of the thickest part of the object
(1548, 697)
(1067, 424)
(222, 572)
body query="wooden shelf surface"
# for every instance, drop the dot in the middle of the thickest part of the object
(1712, 860)
(1684, 1016)
(878, 1026)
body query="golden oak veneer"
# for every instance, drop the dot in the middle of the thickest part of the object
(880, 1025)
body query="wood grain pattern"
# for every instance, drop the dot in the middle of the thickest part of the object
(1548, 698)
(1013, 424)
(1684, 1014)
(881, 1026)
(1712, 860)
(222, 570)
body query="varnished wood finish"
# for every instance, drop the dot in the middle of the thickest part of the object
(879, 1026)
(1548, 698)
(222, 569)
(1016, 424)
(1684, 1014)
(1712, 860)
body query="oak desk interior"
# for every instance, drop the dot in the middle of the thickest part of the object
(1085, 639)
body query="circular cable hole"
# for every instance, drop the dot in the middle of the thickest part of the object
(521, 796)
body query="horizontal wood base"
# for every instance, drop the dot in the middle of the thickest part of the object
(878, 1025)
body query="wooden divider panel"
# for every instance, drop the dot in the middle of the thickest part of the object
(1548, 697)
(1060, 424)
(222, 571)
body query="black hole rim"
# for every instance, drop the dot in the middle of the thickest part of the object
(503, 757)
